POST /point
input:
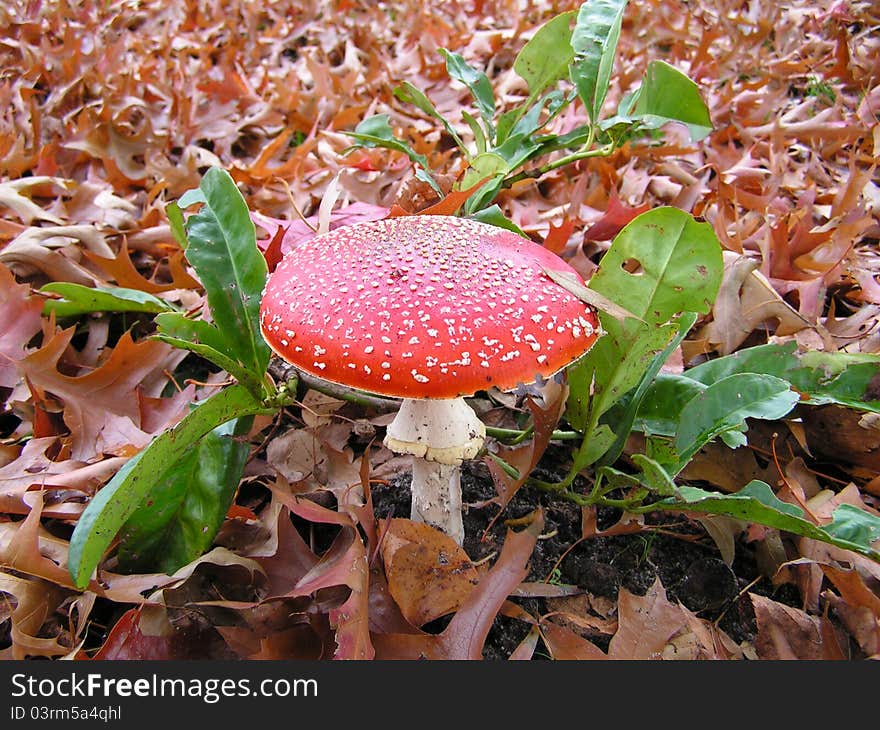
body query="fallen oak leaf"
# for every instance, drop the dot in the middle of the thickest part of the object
(525, 458)
(25, 208)
(33, 472)
(785, 632)
(428, 573)
(35, 602)
(98, 407)
(20, 320)
(614, 219)
(42, 249)
(466, 633)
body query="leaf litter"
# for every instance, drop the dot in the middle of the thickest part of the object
(110, 113)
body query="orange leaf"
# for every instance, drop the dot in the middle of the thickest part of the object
(429, 575)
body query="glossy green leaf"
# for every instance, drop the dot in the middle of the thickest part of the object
(495, 217)
(613, 367)
(624, 415)
(724, 406)
(851, 528)
(479, 135)
(482, 166)
(477, 83)
(206, 340)
(176, 223)
(654, 476)
(117, 500)
(186, 506)
(77, 299)
(222, 249)
(410, 94)
(594, 42)
(667, 95)
(678, 261)
(660, 410)
(376, 131)
(841, 378)
(545, 58)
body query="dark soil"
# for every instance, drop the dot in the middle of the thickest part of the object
(671, 548)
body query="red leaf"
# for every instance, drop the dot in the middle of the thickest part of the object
(614, 219)
(557, 236)
(19, 322)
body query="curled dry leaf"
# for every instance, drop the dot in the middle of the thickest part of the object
(428, 574)
(785, 632)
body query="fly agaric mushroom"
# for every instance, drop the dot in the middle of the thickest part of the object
(429, 309)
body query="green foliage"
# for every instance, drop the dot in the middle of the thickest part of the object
(841, 378)
(665, 268)
(222, 250)
(186, 506)
(75, 300)
(165, 458)
(575, 48)
(851, 528)
(167, 503)
(594, 43)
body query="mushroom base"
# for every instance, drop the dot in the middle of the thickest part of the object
(436, 497)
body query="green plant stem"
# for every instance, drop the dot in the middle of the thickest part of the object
(584, 153)
(518, 436)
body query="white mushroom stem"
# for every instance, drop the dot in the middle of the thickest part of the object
(440, 434)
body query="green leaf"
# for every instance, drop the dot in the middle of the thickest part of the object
(724, 406)
(117, 500)
(482, 166)
(851, 528)
(667, 95)
(612, 367)
(660, 410)
(486, 164)
(408, 93)
(77, 299)
(679, 266)
(206, 340)
(186, 507)
(477, 83)
(479, 135)
(545, 58)
(591, 450)
(594, 42)
(494, 217)
(624, 419)
(654, 475)
(176, 223)
(841, 378)
(679, 271)
(376, 131)
(223, 251)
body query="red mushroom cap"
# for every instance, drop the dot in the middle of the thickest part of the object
(424, 307)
